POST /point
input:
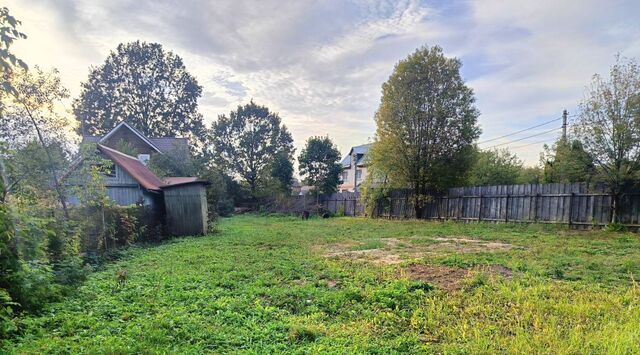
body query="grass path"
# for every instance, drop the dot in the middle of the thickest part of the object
(265, 285)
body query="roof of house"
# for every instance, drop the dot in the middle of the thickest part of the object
(178, 180)
(161, 144)
(145, 177)
(360, 151)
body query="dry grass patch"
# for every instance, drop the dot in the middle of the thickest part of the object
(389, 251)
(452, 278)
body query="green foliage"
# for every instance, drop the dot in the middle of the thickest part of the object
(530, 175)
(29, 167)
(126, 147)
(265, 285)
(175, 162)
(8, 61)
(426, 124)
(608, 126)
(7, 319)
(146, 86)
(281, 171)
(247, 143)
(567, 161)
(222, 192)
(495, 167)
(319, 164)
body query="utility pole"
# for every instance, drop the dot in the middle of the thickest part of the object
(564, 124)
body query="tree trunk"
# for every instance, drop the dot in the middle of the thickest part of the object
(615, 207)
(54, 176)
(417, 209)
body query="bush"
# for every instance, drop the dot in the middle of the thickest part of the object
(7, 320)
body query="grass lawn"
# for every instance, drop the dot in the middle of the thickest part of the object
(345, 285)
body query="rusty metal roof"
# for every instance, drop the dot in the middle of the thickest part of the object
(145, 177)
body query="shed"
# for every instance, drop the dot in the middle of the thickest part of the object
(186, 207)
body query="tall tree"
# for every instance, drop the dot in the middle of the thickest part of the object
(426, 125)
(495, 167)
(608, 125)
(566, 161)
(147, 87)
(319, 165)
(246, 142)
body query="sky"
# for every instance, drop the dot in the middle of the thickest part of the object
(321, 64)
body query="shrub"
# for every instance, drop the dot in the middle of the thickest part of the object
(7, 320)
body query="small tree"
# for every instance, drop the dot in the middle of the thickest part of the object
(530, 175)
(319, 164)
(175, 162)
(608, 125)
(32, 114)
(495, 167)
(247, 142)
(426, 125)
(566, 161)
(281, 172)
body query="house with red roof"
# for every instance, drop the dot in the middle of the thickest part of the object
(181, 200)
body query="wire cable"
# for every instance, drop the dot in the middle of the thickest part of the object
(520, 131)
(526, 129)
(523, 138)
(534, 143)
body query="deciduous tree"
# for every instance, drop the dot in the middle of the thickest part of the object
(495, 167)
(147, 87)
(319, 165)
(608, 125)
(32, 114)
(247, 142)
(566, 161)
(426, 124)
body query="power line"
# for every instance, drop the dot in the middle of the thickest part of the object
(520, 131)
(523, 138)
(524, 130)
(534, 143)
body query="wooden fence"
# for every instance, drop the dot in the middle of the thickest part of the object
(580, 205)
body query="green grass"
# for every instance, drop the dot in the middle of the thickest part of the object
(264, 285)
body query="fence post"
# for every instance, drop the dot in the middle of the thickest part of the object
(535, 207)
(406, 203)
(570, 207)
(480, 212)
(458, 208)
(506, 210)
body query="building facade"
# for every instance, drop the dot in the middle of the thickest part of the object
(354, 168)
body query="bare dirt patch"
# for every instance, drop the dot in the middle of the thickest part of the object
(395, 250)
(378, 256)
(469, 245)
(451, 278)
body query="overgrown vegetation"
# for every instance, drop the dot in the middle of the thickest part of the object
(270, 284)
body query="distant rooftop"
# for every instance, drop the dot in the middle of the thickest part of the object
(360, 151)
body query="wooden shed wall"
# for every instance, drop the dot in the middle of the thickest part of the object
(186, 209)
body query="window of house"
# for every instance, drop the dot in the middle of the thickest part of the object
(358, 174)
(345, 176)
(109, 170)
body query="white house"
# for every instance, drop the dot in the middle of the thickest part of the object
(354, 168)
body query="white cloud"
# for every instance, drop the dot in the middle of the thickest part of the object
(321, 64)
